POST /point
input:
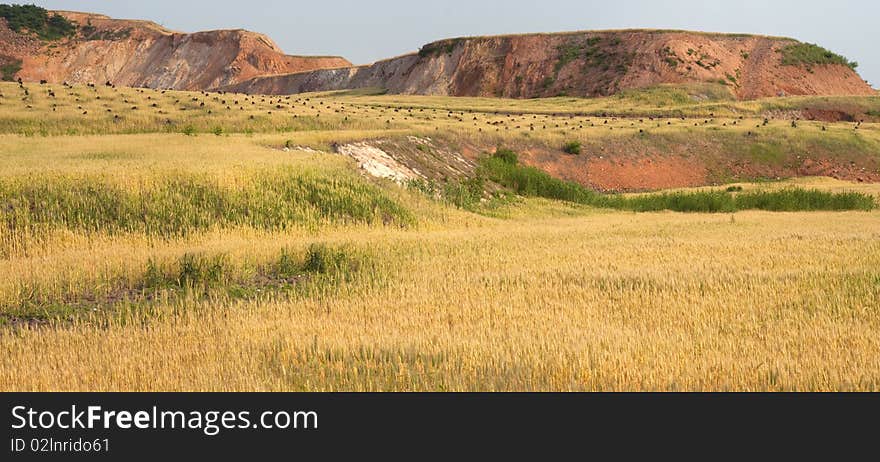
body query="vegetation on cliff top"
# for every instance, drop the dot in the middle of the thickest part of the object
(36, 20)
(808, 54)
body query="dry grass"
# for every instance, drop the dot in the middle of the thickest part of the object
(541, 295)
(590, 302)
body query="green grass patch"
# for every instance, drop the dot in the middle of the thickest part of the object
(529, 181)
(787, 200)
(175, 206)
(795, 200)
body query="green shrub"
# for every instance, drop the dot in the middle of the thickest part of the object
(189, 130)
(216, 130)
(572, 147)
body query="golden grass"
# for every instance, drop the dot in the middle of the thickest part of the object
(601, 301)
(104, 110)
(693, 100)
(539, 296)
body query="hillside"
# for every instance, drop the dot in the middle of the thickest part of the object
(590, 64)
(632, 142)
(144, 54)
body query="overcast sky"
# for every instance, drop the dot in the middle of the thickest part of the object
(365, 31)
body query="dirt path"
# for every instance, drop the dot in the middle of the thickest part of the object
(755, 79)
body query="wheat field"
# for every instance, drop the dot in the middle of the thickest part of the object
(229, 262)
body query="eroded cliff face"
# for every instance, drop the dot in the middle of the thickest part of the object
(143, 54)
(581, 64)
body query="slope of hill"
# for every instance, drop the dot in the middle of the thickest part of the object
(144, 54)
(626, 143)
(590, 64)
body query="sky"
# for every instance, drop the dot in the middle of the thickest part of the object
(366, 31)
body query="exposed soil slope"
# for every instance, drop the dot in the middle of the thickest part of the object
(143, 54)
(626, 163)
(581, 64)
